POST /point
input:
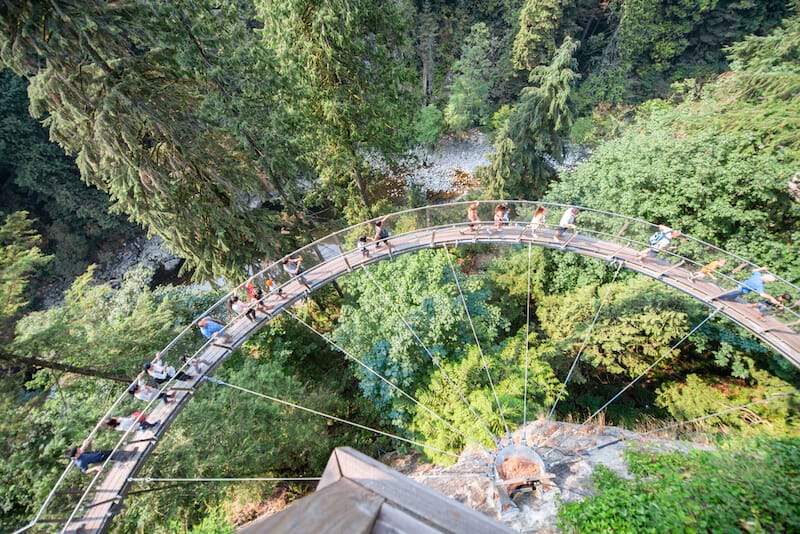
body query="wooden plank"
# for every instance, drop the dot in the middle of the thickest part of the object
(568, 241)
(343, 506)
(671, 268)
(392, 520)
(441, 512)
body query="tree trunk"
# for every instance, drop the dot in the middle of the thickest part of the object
(362, 187)
(46, 364)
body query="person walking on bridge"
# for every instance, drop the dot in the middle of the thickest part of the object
(161, 371)
(294, 267)
(257, 298)
(140, 390)
(708, 270)
(567, 221)
(472, 219)
(754, 284)
(240, 308)
(659, 242)
(538, 219)
(83, 458)
(381, 233)
(123, 424)
(212, 328)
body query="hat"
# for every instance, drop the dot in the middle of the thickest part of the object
(269, 282)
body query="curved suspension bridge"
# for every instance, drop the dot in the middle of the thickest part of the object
(607, 236)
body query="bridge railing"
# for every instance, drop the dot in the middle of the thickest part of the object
(605, 226)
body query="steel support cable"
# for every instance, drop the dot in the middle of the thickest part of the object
(477, 342)
(585, 342)
(256, 479)
(527, 347)
(386, 380)
(428, 352)
(632, 382)
(328, 416)
(682, 423)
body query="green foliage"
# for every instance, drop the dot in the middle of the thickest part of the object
(123, 87)
(753, 487)
(422, 291)
(472, 80)
(216, 523)
(99, 327)
(534, 131)
(539, 24)
(21, 257)
(349, 62)
(638, 322)
(698, 396)
(468, 377)
(36, 430)
(696, 152)
(429, 126)
(655, 37)
(507, 279)
(73, 218)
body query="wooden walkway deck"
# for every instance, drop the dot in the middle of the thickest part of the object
(106, 499)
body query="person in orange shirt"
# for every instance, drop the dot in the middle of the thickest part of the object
(708, 270)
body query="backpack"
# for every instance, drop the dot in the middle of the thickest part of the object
(383, 234)
(657, 237)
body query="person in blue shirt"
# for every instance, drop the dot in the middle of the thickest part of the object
(83, 459)
(212, 328)
(754, 284)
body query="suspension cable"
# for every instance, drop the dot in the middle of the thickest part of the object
(386, 380)
(585, 341)
(322, 414)
(687, 422)
(632, 382)
(257, 479)
(477, 342)
(435, 362)
(723, 412)
(527, 346)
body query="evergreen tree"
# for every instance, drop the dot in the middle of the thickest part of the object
(21, 257)
(122, 90)
(473, 78)
(349, 66)
(539, 26)
(534, 131)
